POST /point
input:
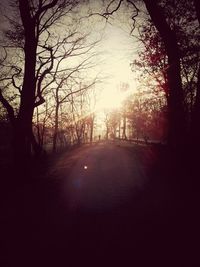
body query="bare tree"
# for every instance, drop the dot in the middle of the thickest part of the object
(32, 34)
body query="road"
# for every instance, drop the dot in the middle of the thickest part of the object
(103, 178)
(102, 204)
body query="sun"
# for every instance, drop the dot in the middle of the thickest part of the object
(113, 95)
(117, 47)
(109, 99)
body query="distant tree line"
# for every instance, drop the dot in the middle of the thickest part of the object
(44, 58)
(47, 97)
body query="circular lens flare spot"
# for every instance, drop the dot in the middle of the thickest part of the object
(85, 167)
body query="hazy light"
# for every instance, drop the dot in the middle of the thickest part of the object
(117, 47)
(109, 99)
(85, 167)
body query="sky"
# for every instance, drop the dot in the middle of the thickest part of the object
(117, 50)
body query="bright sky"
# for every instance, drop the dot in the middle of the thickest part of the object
(118, 47)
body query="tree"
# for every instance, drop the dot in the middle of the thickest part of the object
(176, 112)
(181, 19)
(32, 34)
(152, 60)
(112, 120)
(40, 124)
(172, 19)
(195, 136)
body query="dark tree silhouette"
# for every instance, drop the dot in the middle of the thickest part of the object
(177, 126)
(195, 136)
(172, 40)
(36, 19)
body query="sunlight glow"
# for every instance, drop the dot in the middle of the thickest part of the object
(117, 47)
(110, 99)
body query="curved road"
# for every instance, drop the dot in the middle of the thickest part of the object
(103, 205)
(103, 177)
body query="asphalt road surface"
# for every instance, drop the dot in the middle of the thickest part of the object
(103, 178)
(100, 205)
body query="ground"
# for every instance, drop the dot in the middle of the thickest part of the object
(98, 205)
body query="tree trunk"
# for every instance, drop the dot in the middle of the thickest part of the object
(37, 147)
(195, 126)
(21, 143)
(124, 128)
(23, 125)
(197, 7)
(55, 135)
(119, 136)
(107, 132)
(176, 114)
(91, 128)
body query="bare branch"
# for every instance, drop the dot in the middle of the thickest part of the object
(19, 70)
(8, 107)
(41, 78)
(109, 13)
(135, 15)
(44, 8)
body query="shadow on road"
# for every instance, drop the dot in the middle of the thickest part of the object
(103, 205)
